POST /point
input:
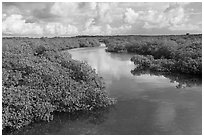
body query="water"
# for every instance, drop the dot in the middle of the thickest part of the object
(147, 103)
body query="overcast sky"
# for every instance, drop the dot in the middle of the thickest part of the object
(70, 19)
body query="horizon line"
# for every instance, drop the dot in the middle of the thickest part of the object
(103, 35)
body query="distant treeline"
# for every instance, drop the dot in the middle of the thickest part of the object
(171, 53)
(38, 80)
(59, 43)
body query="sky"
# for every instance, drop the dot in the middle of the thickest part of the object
(90, 18)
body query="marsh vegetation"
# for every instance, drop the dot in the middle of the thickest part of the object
(43, 80)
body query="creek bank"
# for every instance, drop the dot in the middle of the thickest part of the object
(173, 53)
(38, 80)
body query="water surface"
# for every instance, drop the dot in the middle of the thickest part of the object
(148, 103)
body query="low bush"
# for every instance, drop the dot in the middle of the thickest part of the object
(38, 80)
(174, 53)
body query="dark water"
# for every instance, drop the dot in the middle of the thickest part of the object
(148, 103)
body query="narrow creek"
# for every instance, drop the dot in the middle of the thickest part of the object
(147, 103)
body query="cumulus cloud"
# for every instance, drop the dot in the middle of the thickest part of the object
(130, 16)
(91, 28)
(91, 18)
(103, 13)
(60, 29)
(172, 18)
(14, 24)
(123, 29)
(89, 23)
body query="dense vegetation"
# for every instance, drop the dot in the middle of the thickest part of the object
(62, 118)
(38, 80)
(181, 54)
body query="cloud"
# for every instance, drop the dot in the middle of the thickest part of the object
(171, 18)
(44, 13)
(176, 15)
(174, 18)
(123, 29)
(59, 29)
(92, 18)
(4, 16)
(63, 9)
(153, 17)
(89, 23)
(10, 9)
(103, 13)
(188, 27)
(14, 24)
(130, 16)
(93, 30)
